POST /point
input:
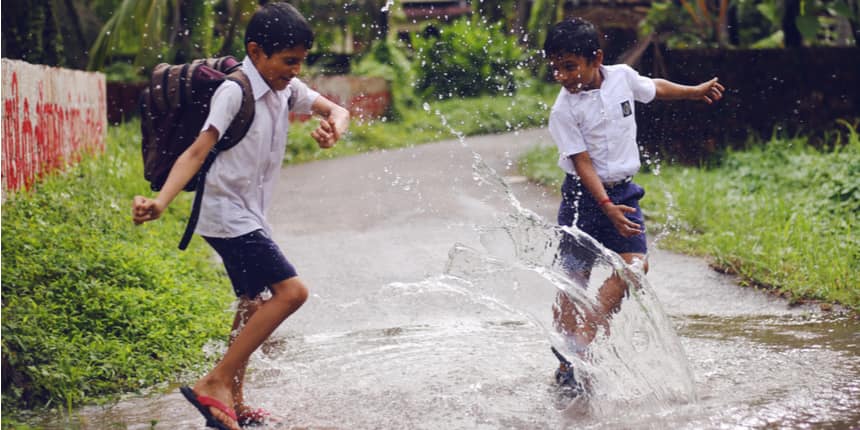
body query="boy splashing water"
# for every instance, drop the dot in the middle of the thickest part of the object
(593, 124)
(239, 188)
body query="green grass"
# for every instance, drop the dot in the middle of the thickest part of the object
(92, 305)
(781, 214)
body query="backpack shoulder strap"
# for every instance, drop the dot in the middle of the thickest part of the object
(235, 132)
(242, 121)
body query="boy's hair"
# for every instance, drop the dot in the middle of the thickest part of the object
(572, 36)
(278, 26)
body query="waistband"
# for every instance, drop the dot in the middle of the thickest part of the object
(614, 184)
(572, 183)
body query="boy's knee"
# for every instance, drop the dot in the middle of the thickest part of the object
(292, 290)
(636, 259)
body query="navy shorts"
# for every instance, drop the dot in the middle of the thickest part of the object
(577, 255)
(253, 261)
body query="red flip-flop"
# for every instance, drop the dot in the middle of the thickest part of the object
(202, 403)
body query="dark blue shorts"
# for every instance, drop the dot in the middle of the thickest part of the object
(575, 254)
(253, 261)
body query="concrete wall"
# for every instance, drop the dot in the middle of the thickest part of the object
(51, 117)
(365, 97)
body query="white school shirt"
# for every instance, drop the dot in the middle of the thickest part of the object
(240, 183)
(602, 121)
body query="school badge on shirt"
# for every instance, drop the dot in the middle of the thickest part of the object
(625, 108)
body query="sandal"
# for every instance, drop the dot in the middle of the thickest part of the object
(202, 403)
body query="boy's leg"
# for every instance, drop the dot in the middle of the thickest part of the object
(287, 297)
(581, 324)
(572, 321)
(246, 309)
(613, 291)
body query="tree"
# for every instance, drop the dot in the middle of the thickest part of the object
(44, 32)
(787, 23)
(170, 30)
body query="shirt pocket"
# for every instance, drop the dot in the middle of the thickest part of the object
(622, 116)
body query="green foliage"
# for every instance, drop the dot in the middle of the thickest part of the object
(673, 25)
(123, 72)
(543, 14)
(468, 58)
(92, 305)
(781, 214)
(33, 32)
(480, 115)
(154, 31)
(816, 14)
(759, 23)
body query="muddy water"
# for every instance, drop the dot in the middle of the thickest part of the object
(430, 309)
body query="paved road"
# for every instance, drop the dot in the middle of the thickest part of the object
(394, 215)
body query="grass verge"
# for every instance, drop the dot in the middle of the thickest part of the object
(92, 305)
(782, 214)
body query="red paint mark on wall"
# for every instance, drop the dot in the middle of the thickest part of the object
(41, 138)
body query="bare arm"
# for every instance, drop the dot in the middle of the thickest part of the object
(708, 92)
(334, 124)
(615, 213)
(186, 166)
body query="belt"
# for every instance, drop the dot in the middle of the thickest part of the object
(613, 184)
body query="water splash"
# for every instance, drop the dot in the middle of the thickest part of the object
(641, 361)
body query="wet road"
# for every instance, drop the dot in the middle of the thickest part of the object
(421, 316)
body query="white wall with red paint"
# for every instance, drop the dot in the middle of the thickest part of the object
(51, 117)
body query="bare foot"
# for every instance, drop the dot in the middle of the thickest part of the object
(250, 416)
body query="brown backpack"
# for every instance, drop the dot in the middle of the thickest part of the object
(173, 109)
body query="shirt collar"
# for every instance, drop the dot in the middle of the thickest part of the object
(258, 84)
(605, 72)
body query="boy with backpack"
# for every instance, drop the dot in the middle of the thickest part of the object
(239, 187)
(593, 124)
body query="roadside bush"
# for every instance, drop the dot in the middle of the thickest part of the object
(466, 59)
(93, 305)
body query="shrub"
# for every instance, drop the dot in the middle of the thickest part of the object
(92, 305)
(466, 59)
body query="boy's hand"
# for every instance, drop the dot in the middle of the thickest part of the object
(326, 134)
(144, 209)
(710, 91)
(623, 224)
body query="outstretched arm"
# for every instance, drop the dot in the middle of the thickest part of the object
(185, 167)
(708, 92)
(334, 124)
